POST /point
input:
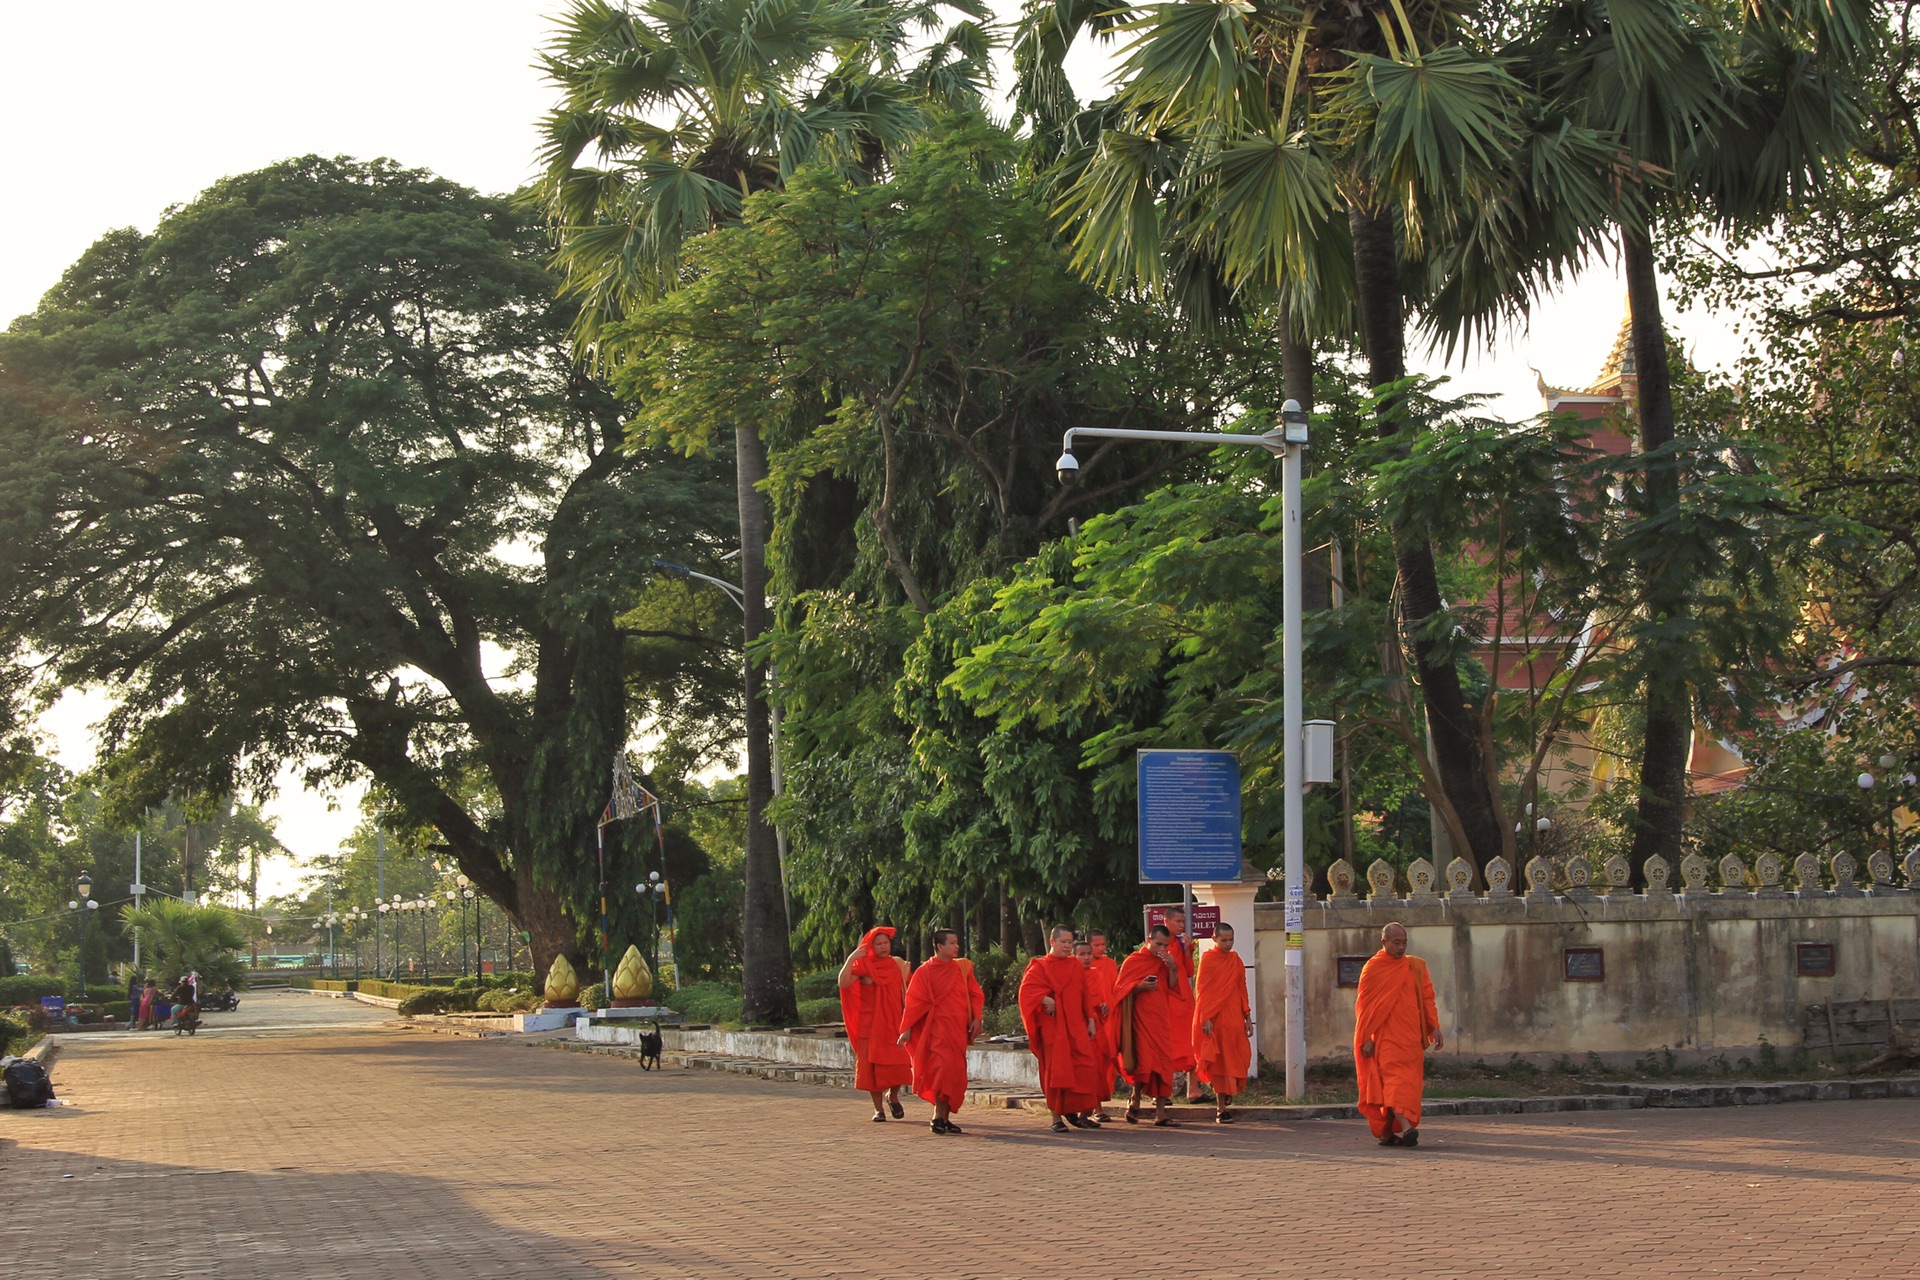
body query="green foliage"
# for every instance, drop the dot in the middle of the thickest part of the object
(394, 990)
(508, 1000)
(821, 984)
(820, 1011)
(262, 461)
(181, 939)
(706, 1002)
(439, 1000)
(27, 988)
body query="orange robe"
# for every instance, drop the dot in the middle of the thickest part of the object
(976, 997)
(1060, 1039)
(939, 1006)
(1101, 972)
(1222, 1058)
(872, 1013)
(1394, 1008)
(1145, 1038)
(1180, 1005)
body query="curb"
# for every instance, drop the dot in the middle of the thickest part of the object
(985, 1097)
(1761, 1095)
(44, 1051)
(1437, 1107)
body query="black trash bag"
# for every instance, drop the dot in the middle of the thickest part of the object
(27, 1084)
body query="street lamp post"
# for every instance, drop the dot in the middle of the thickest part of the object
(466, 904)
(739, 598)
(1887, 763)
(1289, 444)
(426, 964)
(378, 930)
(651, 889)
(85, 905)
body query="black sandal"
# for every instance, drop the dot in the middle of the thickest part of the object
(1059, 1126)
(1390, 1140)
(899, 1112)
(1133, 1115)
(1411, 1138)
(952, 1128)
(879, 1117)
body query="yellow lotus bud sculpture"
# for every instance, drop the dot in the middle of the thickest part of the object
(563, 985)
(632, 981)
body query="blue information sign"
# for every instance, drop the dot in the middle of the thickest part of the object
(1189, 816)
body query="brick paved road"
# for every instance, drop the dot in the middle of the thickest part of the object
(376, 1153)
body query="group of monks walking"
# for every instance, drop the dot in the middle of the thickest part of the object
(1088, 1018)
(1147, 1020)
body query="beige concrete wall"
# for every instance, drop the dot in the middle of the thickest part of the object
(1706, 973)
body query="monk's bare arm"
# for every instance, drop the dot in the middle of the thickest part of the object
(847, 977)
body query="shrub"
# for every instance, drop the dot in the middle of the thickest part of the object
(14, 1031)
(706, 1002)
(118, 1010)
(438, 1000)
(818, 985)
(393, 990)
(27, 988)
(993, 967)
(523, 1000)
(820, 1011)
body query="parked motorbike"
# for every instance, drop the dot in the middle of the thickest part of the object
(220, 1002)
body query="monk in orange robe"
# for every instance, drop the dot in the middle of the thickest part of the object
(1222, 1023)
(1060, 1030)
(873, 983)
(1394, 1020)
(935, 1028)
(1146, 1032)
(1180, 1001)
(1101, 971)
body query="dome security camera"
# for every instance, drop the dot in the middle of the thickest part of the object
(1067, 468)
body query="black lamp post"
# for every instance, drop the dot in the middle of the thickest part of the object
(84, 905)
(652, 889)
(426, 965)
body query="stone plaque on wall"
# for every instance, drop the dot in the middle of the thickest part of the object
(1583, 964)
(1347, 970)
(1813, 959)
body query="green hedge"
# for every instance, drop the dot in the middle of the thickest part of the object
(393, 990)
(706, 1002)
(816, 1012)
(27, 988)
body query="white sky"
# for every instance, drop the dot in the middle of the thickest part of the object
(116, 110)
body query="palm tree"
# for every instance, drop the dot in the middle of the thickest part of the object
(185, 939)
(1337, 162)
(1724, 117)
(691, 107)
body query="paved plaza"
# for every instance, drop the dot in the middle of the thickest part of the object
(365, 1151)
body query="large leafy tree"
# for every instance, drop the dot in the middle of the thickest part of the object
(1725, 116)
(1337, 164)
(309, 473)
(672, 115)
(915, 347)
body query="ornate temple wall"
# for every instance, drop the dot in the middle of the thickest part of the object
(1558, 967)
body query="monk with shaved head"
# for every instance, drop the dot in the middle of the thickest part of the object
(1394, 1022)
(1061, 1030)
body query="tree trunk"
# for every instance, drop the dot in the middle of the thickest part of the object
(1009, 923)
(543, 914)
(1451, 728)
(1667, 748)
(766, 979)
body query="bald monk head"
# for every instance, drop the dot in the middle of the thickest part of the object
(1158, 938)
(1060, 941)
(1175, 918)
(1393, 939)
(1083, 952)
(1098, 941)
(1223, 936)
(946, 943)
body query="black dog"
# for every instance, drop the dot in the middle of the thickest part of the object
(650, 1045)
